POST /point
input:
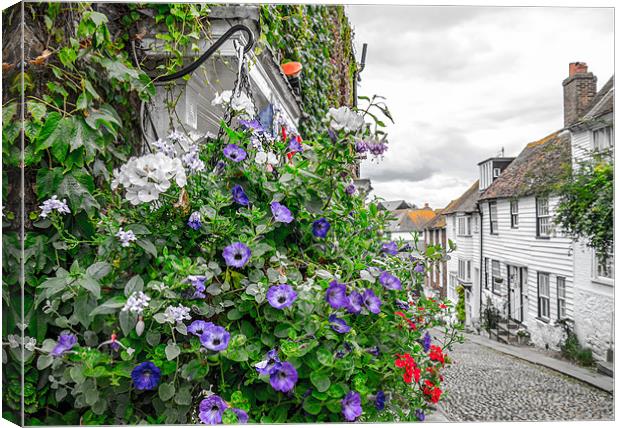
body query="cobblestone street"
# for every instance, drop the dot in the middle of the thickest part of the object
(486, 385)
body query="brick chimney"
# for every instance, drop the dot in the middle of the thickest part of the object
(579, 90)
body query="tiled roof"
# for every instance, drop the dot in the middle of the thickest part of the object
(410, 220)
(538, 167)
(603, 101)
(466, 203)
(394, 205)
(437, 222)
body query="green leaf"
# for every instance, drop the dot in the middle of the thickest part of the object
(50, 125)
(166, 391)
(325, 357)
(48, 181)
(172, 351)
(67, 57)
(312, 406)
(110, 306)
(153, 338)
(36, 109)
(91, 395)
(183, 397)
(134, 284)
(44, 361)
(91, 284)
(99, 270)
(127, 321)
(147, 246)
(78, 194)
(320, 380)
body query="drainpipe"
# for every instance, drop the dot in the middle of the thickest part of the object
(481, 265)
(356, 75)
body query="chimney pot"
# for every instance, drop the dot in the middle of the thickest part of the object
(425, 204)
(577, 67)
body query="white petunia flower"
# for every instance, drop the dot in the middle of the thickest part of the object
(175, 314)
(54, 204)
(126, 237)
(144, 178)
(345, 118)
(137, 302)
(266, 157)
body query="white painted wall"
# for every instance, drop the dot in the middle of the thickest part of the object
(594, 297)
(521, 247)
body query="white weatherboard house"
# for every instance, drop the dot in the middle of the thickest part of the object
(594, 278)
(527, 263)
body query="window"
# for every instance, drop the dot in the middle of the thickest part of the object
(496, 276)
(464, 270)
(604, 267)
(603, 138)
(453, 226)
(514, 214)
(561, 297)
(476, 224)
(496, 172)
(486, 273)
(544, 311)
(543, 218)
(493, 217)
(464, 226)
(452, 286)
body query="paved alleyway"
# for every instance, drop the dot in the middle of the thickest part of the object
(486, 385)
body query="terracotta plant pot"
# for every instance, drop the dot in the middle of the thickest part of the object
(291, 69)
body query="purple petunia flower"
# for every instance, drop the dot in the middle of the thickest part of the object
(234, 153)
(242, 416)
(390, 248)
(371, 301)
(219, 167)
(66, 341)
(281, 296)
(194, 221)
(237, 254)
(389, 281)
(361, 147)
(419, 267)
(239, 196)
(215, 338)
(351, 406)
(374, 350)
(320, 228)
(284, 377)
(269, 364)
(145, 376)
(295, 145)
(211, 409)
(380, 400)
(350, 189)
(281, 213)
(426, 341)
(355, 302)
(338, 324)
(252, 125)
(336, 295)
(198, 327)
(419, 413)
(198, 282)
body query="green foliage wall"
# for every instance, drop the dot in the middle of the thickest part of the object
(320, 37)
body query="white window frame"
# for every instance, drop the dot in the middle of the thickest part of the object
(475, 224)
(561, 296)
(452, 284)
(496, 286)
(543, 217)
(464, 270)
(494, 224)
(514, 213)
(603, 273)
(496, 172)
(464, 226)
(544, 296)
(602, 138)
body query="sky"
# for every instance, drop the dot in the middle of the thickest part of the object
(464, 82)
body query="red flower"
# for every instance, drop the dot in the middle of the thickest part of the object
(411, 369)
(403, 316)
(442, 306)
(284, 133)
(436, 354)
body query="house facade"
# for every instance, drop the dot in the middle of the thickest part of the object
(526, 262)
(409, 223)
(594, 275)
(436, 279)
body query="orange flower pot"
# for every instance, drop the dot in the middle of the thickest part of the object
(291, 69)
